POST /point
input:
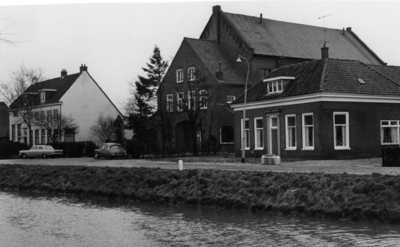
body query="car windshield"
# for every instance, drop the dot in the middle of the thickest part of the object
(49, 147)
(115, 147)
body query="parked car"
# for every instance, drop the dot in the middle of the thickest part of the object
(43, 151)
(110, 150)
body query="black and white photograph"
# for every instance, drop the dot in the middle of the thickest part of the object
(199, 123)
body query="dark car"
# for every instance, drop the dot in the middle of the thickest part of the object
(43, 151)
(110, 150)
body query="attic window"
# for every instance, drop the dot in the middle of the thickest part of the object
(361, 81)
(275, 86)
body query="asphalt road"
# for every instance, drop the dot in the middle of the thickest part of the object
(359, 166)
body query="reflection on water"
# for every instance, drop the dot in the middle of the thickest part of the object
(27, 220)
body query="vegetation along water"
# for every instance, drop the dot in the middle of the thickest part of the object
(340, 196)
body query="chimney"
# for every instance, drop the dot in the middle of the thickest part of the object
(261, 18)
(324, 52)
(219, 74)
(343, 32)
(348, 29)
(83, 68)
(63, 72)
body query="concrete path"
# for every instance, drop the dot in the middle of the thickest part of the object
(360, 166)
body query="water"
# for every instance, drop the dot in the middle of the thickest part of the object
(28, 220)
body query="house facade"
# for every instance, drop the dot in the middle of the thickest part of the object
(321, 109)
(36, 115)
(263, 46)
(4, 121)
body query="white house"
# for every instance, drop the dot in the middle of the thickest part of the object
(77, 95)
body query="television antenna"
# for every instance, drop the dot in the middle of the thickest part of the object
(323, 17)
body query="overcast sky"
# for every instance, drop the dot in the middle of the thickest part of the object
(116, 40)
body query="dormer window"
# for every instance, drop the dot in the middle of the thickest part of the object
(277, 84)
(42, 96)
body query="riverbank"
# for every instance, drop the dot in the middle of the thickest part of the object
(341, 196)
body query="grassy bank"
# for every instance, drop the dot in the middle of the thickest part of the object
(342, 196)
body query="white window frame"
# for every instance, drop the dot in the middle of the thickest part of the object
(42, 96)
(391, 124)
(248, 135)
(230, 98)
(179, 75)
(191, 94)
(256, 147)
(347, 146)
(203, 95)
(287, 131)
(191, 74)
(304, 130)
(170, 103)
(179, 101)
(273, 87)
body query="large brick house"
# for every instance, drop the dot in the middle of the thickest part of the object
(265, 44)
(76, 95)
(328, 108)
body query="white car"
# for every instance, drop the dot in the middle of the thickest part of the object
(43, 151)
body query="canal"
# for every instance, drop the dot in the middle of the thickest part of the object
(32, 220)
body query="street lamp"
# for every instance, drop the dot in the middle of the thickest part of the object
(244, 109)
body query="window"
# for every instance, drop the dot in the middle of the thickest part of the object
(246, 134)
(13, 133)
(226, 134)
(19, 131)
(275, 86)
(42, 97)
(36, 136)
(15, 113)
(69, 135)
(36, 116)
(389, 132)
(265, 72)
(230, 98)
(191, 100)
(191, 75)
(42, 116)
(308, 131)
(49, 136)
(170, 102)
(43, 139)
(203, 99)
(179, 101)
(291, 140)
(49, 115)
(55, 114)
(341, 130)
(259, 133)
(179, 75)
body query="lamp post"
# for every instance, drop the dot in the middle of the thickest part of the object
(244, 110)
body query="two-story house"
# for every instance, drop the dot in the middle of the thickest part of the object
(263, 45)
(77, 96)
(327, 108)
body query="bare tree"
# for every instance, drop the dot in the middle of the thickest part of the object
(56, 126)
(104, 128)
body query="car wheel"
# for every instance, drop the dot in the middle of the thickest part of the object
(44, 156)
(96, 156)
(24, 156)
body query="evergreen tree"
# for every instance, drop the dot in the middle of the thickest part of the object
(145, 100)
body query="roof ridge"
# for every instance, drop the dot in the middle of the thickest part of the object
(323, 75)
(387, 77)
(335, 29)
(205, 40)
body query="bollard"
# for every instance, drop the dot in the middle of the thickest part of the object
(180, 165)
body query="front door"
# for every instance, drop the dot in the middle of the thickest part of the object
(273, 134)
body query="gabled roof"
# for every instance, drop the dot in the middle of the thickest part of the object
(211, 54)
(278, 38)
(60, 84)
(329, 76)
